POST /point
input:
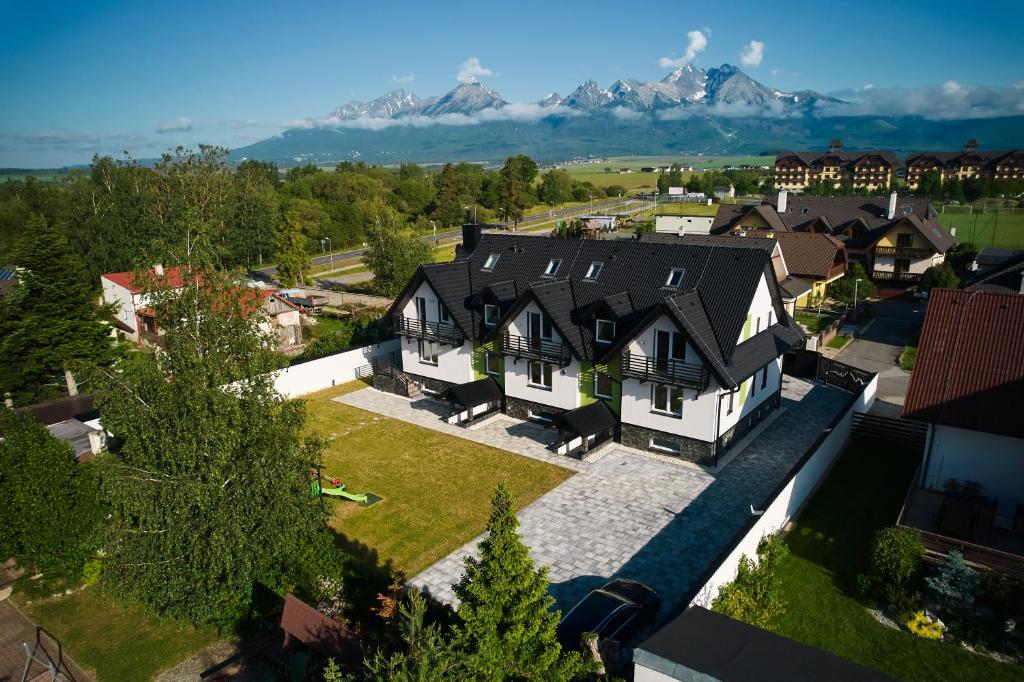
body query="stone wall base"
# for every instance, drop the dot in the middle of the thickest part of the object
(520, 409)
(430, 384)
(690, 449)
(745, 425)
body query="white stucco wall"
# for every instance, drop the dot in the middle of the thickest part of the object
(643, 674)
(317, 375)
(121, 297)
(564, 393)
(917, 265)
(454, 365)
(683, 224)
(996, 462)
(426, 292)
(750, 402)
(760, 307)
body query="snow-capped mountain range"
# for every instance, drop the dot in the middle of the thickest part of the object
(687, 86)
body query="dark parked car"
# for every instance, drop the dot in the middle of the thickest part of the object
(615, 611)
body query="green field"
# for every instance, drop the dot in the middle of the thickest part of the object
(987, 229)
(596, 174)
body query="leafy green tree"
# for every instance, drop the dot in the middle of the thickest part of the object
(454, 191)
(506, 625)
(663, 184)
(675, 176)
(556, 187)
(516, 185)
(50, 323)
(52, 512)
(942, 276)
(753, 596)
(954, 190)
(256, 209)
(897, 555)
(393, 256)
(425, 654)
(930, 185)
(960, 257)
(208, 483)
(291, 248)
(846, 287)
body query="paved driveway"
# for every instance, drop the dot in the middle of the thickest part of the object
(878, 346)
(662, 522)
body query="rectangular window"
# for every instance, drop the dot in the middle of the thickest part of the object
(602, 385)
(428, 352)
(667, 399)
(421, 308)
(904, 240)
(552, 267)
(665, 445)
(442, 313)
(492, 363)
(593, 271)
(491, 314)
(604, 331)
(675, 277)
(491, 261)
(540, 374)
(764, 378)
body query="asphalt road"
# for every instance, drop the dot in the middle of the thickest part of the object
(269, 271)
(878, 345)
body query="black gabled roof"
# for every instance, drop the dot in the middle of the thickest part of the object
(588, 419)
(710, 305)
(475, 393)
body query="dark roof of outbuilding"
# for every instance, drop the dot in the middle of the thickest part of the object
(718, 647)
(969, 371)
(587, 420)
(710, 304)
(474, 392)
(794, 286)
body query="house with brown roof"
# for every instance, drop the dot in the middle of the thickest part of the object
(819, 259)
(968, 386)
(869, 170)
(971, 162)
(895, 238)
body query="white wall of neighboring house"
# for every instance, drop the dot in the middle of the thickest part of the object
(123, 298)
(994, 461)
(683, 224)
(917, 265)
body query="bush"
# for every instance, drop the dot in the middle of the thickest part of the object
(753, 596)
(923, 626)
(955, 584)
(896, 556)
(939, 276)
(844, 288)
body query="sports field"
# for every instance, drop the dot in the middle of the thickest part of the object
(987, 229)
(596, 173)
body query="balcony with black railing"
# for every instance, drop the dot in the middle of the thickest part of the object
(895, 276)
(536, 349)
(442, 332)
(664, 371)
(903, 251)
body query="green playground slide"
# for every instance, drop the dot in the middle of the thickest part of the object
(337, 492)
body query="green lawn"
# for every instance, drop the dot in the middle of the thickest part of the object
(437, 488)
(686, 208)
(119, 643)
(987, 229)
(829, 545)
(908, 357)
(838, 341)
(813, 323)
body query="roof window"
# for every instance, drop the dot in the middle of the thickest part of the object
(675, 277)
(552, 267)
(594, 270)
(491, 261)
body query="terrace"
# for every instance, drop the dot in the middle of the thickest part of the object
(442, 332)
(664, 370)
(535, 349)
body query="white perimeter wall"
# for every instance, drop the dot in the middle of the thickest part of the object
(791, 499)
(996, 462)
(317, 375)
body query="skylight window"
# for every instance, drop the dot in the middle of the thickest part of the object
(491, 261)
(675, 277)
(552, 267)
(593, 271)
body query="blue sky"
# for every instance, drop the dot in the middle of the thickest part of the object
(144, 76)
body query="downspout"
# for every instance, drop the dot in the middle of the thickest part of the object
(718, 425)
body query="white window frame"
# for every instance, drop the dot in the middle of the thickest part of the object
(488, 356)
(546, 372)
(552, 269)
(677, 275)
(488, 307)
(429, 345)
(669, 390)
(594, 271)
(597, 331)
(491, 262)
(611, 385)
(673, 450)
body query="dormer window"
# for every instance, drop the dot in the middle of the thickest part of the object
(675, 277)
(593, 271)
(491, 261)
(491, 314)
(604, 331)
(552, 267)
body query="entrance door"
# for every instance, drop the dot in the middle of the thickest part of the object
(533, 328)
(667, 346)
(421, 308)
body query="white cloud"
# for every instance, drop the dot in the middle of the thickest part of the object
(471, 69)
(752, 53)
(626, 114)
(696, 43)
(182, 125)
(950, 100)
(775, 72)
(514, 111)
(407, 78)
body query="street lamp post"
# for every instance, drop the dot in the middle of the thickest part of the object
(856, 282)
(330, 251)
(433, 226)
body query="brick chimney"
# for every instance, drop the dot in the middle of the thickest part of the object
(892, 206)
(783, 200)
(470, 237)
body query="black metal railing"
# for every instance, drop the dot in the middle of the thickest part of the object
(903, 251)
(664, 370)
(535, 349)
(442, 332)
(895, 276)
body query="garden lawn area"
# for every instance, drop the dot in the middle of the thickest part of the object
(118, 642)
(908, 357)
(829, 545)
(437, 488)
(838, 341)
(814, 323)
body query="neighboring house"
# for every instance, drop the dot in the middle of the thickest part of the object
(968, 386)
(816, 258)
(680, 342)
(896, 239)
(75, 421)
(704, 646)
(865, 170)
(724, 192)
(997, 269)
(8, 280)
(970, 163)
(605, 223)
(683, 224)
(136, 318)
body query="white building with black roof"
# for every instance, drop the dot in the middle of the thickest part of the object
(680, 341)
